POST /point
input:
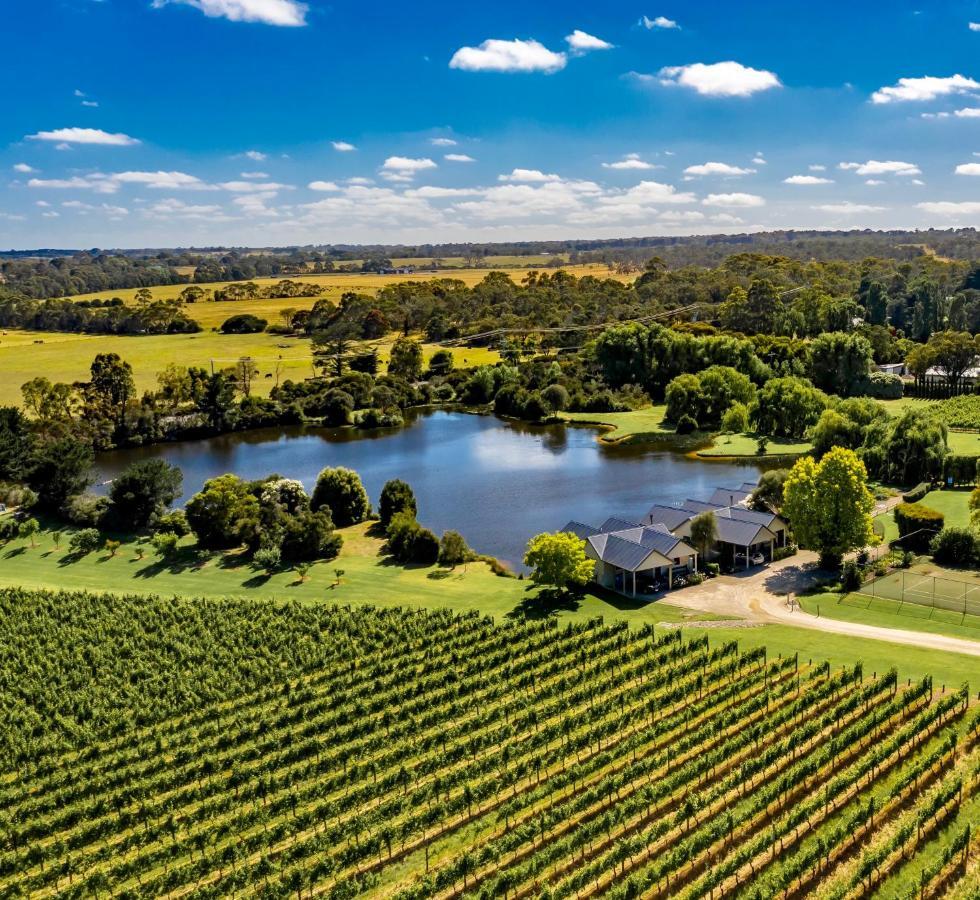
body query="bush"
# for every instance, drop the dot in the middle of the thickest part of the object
(453, 549)
(308, 536)
(784, 552)
(84, 541)
(954, 546)
(268, 558)
(850, 579)
(378, 418)
(712, 569)
(165, 543)
(696, 578)
(243, 323)
(173, 523)
(917, 525)
(143, 492)
(86, 509)
(736, 419)
(881, 386)
(409, 542)
(962, 469)
(556, 397)
(917, 493)
(686, 424)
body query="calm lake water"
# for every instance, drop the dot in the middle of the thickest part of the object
(497, 482)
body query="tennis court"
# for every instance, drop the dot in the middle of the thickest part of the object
(926, 590)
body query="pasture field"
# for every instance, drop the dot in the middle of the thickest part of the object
(67, 357)
(472, 759)
(336, 283)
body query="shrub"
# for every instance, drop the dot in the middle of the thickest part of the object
(85, 509)
(409, 542)
(142, 492)
(556, 397)
(850, 576)
(696, 578)
(954, 546)
(165, 543)
(736, 419)
(453, 549)
(243, 323)
(917, 493)
(784, 552)
(378, 418)
(712, 569)
(341, 492)
(174, 522)
(8, 529)
(962, 469)
(84, 541)
(309, 535)
(917, 525)
(224, 513)
(268, 558)
(686, 424)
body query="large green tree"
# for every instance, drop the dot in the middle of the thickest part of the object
(829, 505)
(143, 491)
(341, 492)
(558, 560)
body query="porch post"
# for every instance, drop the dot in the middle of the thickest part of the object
(634, 582)
(670, 577)
(746, 557)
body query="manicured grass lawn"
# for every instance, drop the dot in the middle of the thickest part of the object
(954, 504)
(746, 445)
(67, 357)
(368, 578)
(892, 614)
(950, 669)
(964, 443)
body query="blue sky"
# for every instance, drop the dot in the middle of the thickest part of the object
(271, 122)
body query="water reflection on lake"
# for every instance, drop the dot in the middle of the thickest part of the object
(498, 482)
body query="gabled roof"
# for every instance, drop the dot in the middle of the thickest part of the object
(730, 496)
(581, 529)
(671, 517)
(615, 523)
(617, 551)
(700, 506)
(742, 533)
(763, 517)
(655, 537)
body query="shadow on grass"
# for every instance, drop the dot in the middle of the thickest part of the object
(183, 560)
(547, 602)
(376, 530)
(796, 579)
(257, 580)
(17, 551)
(440, 574)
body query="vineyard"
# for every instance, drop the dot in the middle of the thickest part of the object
(406, 755)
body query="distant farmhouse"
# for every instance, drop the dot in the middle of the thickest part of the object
(646, 557)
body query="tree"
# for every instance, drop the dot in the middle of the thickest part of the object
(768, 494)
(736, 419)
(165, 543)
(341, 491)
(224, 513)
(558, 560)
(336, 407)
(409, 542)
(16, 444)
(453, 549)
(787, 407)
(244, 323)
(834, 430)
(839, 362)
(28, 529)
(142, 492)
(441, 363)
(829, 504)
(406, 359)
(953, 352)
(396, 496)
(908, 449)
(704, 533)
(112, 385)
(334, 341)
(217, 400)
(60, 469)
(83, 541)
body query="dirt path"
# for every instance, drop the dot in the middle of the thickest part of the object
(763, 597)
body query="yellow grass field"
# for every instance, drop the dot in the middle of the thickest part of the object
(67, 357)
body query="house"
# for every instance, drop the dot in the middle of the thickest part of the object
(739, 496)
(897, 368)
(632, 558)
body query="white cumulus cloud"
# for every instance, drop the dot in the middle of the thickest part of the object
(528, 176)
(881, 167)
(508, 56)
(807, 179)
(630, 161)
(658, 22)
(24, 168)
(974, 26)
(458, 157)
(342, 146)
(723, 79)
(85, 136)
(716, 168)
(927, 88)
(442, 142)
(286, 13)
(968, 169)
(968, 112)
(323, 186)
(743, 201)
(582, 42)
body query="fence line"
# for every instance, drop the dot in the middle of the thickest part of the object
(930, 591)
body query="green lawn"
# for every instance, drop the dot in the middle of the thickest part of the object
(954, 504)
(747, 444)
(370, 579)
(892, 614)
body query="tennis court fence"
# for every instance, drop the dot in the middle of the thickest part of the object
(932, 591)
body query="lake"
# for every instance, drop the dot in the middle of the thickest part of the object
(496, 481)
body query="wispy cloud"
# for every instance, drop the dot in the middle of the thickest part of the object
(658, 22)
(807, 179)
(630, 161)
(528, 176)
(23, 168)
(342, 146)
(739, 201)
(950, 208)
(881, 167)
(458, 157)
(582, 42)
(847, 208)
(716, 168)
(442, 142)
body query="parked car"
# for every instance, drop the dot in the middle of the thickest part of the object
(756, 559)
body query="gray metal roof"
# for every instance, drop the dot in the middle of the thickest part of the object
(581, 529)
(654, 538)
(671, 517)
(729, 496)
(700, 506)
(615, 523)
(620, 552)
(742, 533)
